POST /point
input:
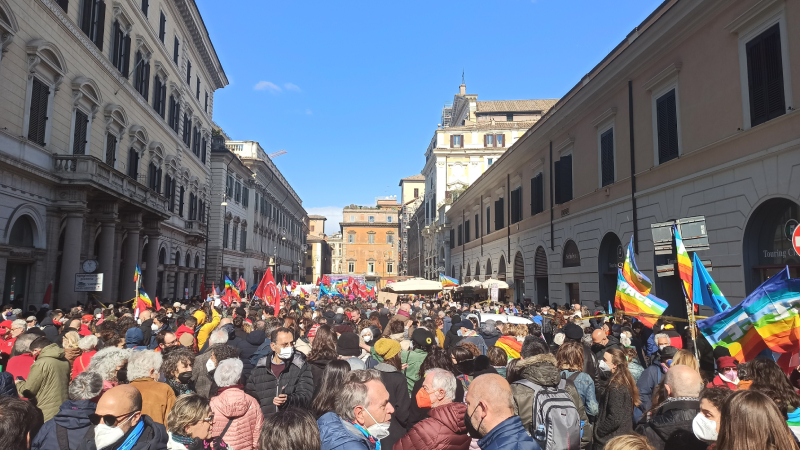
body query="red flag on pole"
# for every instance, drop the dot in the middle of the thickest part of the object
(47, 294)
(268, 292)
(319, 280)
(158, 306)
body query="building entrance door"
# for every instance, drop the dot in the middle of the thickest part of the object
(16, 282)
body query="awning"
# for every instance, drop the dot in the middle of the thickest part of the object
(414, 286)
(500, 284)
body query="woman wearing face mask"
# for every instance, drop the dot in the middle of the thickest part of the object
(110, 363)
(706, 423)
(727, 374)
(464, 364)
(189, 425)
(621, 395)
(177, 370)
(750, 420)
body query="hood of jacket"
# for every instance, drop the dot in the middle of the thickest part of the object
(451, 415)
(256, 337)
(540, 369)
(399, 337)
(184, 329)
(232, 402)
(335, 434)
(320, 363)
(675, 416)
(487, 333)
(52, 351)
(46, 321)
(75, 413)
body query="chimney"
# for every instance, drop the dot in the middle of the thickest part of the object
(462, 89)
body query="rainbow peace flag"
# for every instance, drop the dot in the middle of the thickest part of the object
(231, 289)
(447, 281)
(684, 264)
(144, 298)
(630, 300)
(632, 275)
(137, 274)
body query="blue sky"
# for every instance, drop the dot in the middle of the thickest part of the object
(353, 90)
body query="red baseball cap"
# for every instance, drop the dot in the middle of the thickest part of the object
(87, 318)
(5, 324)
(726, 361)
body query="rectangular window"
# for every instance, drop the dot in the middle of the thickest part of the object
(390, 239)
(93, 18)
(180, 201)
(133, 164)
(490, 161)
(37, 123)
(509, 117)
(162, 27)
(198, 89)
(351, 238)
(187, 136)
(175, 50)
(371, 219)
(563, 171)
(141, 81)
(351, 267)
(460, 235)
(64, 4)
(234, 235)
(171, 119)
(452, 238)
(389, 219)
(111, 149)
(243, 240)
(245, 197)
(80, 133)
(466, 232)
(500, 140)
(765, 76)
(121, 50)
(238, 193)
(477, 227)
(159, 96)
(416, 192)
(667, 122)
(352, 218)
(225, 235)
(189, 73)
(371, 238)
(204, 146)
(456, 141)
(607, 157)
(488, 140)
(371, 267)
(389, 267)
(499, 211)
(488, 221)
(205, 107)
(537, 194)
(145, 6)
(516, 205)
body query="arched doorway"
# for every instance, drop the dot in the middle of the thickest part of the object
(501, 269)
(176, 294)
(609, 256)
(540, 274)
(18, 267)
(519, 278)
(489, 268)
(162, 259)
(767, 246)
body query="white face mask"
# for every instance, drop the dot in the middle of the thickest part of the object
(154, 327)
(662, 347)
(210, 366)
(286, 353)
(604, 366)
(366, 338)
(704, 428)
(379, 430)
(105, 435)
(169, 315)
(139, 321)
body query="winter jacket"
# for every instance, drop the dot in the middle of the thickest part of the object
(206, 328)
(671, 426)
(448, 322)
(444, 429)
(414, 360)
(490, 337)
(7, 386)
(50, 330)
(417, 414)
(647, 384)
(233, 403)
(20, 365)
(247, 348)
(590, 363)
(615, 416)
(74, 416)
(337, 434)
(451, 338)
(719, 382)
(636, 369)
(508, 435)
(395, 383)
(202, 382)
(153, 437)
(317, 368)
(585, 386)
(405, 344)
(477, 340)
(48, 381)
(541, 370)
(81, 363)
(157, 398)
(439, 338)
(613, 342)
(295, 381)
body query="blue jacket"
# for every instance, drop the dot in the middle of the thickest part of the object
(585, 386)
(448, 322)
(7, 386)
(646, 384)
(335, 435)
(650, 347)
(74, 416)
(508, 435)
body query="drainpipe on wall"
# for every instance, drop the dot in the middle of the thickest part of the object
(463, 242)
(552, 244)
(633, 170)
(508, 219)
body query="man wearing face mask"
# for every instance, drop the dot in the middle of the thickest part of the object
(444, 427)
(601, 342)
(119, 424)
(671, 424)
(283, 377)
(490, 416)
(362, 417)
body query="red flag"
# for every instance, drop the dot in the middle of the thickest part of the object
(294, 285)
(140, 306)
(47, 294)
(203, 292)
(241, 284)
(326, 280)
(158, 306)
(268, 292)
(318, 281)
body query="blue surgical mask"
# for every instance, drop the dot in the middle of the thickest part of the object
(459, 333)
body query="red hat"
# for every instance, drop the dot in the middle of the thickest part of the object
(6, 324)
(726, 361)
(313, 331)
(87, 318)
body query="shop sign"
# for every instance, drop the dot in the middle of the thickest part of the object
(88, 282)
(572, 257)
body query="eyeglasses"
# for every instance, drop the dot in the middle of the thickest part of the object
(209, 419)
(729, 369)
(108, 419)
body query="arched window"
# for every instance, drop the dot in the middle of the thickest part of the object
(162, 256)
(21, 233)
(177, 258)
(197, 262)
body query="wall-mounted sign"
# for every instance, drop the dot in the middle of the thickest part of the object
(571, 255)
(88, 282)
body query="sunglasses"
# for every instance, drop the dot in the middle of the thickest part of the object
(108, 419)
(209, 419)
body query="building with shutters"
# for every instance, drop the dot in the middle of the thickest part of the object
(318, 253)
(412, 190)
(370, 239)
(337, 249)
(256, 219)
(105, 119)
(691, 115)
(472, 136)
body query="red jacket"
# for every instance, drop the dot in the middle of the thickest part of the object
(7, 345)
(444, 429)
(20, 365)
(183, 329)
(719, 382)
(81, 363)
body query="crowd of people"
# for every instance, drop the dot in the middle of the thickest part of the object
(422, 374)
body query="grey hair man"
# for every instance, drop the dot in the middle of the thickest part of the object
(18, 327)
(662, 340)
(73, 415)
(363, 401)
(144, 369)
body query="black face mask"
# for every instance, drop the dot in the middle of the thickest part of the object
(185, 377)
(122, 375)
(597, 347)
(471, 430)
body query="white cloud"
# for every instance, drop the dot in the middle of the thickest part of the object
(267, 86)
(292, 87)
(332, 213)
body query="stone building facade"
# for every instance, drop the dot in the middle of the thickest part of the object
(105, 120)
(691, 115)
(369, 236)
(412, 191)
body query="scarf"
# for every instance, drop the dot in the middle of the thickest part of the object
(180, 388)
(182, 439)
(469, 333)
(366, 434)
(133, 437)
